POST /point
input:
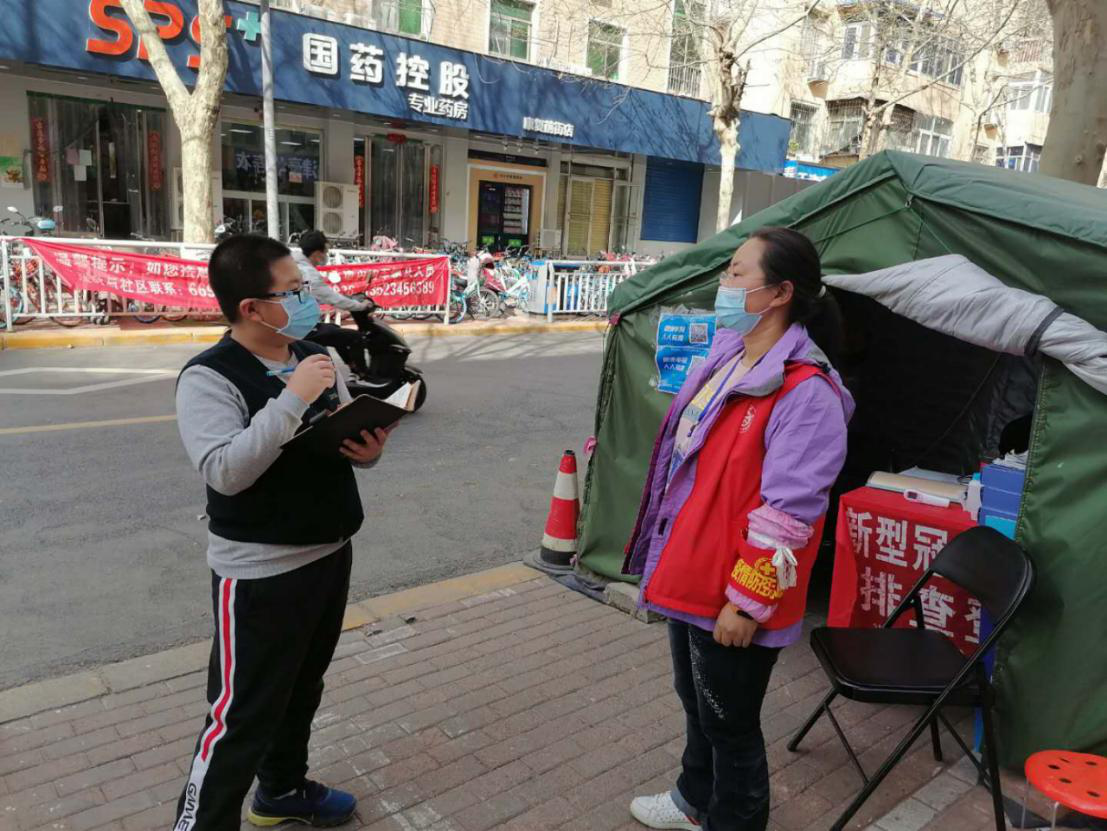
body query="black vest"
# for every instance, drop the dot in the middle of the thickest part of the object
(303, 498)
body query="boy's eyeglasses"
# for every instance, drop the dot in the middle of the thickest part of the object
(300, 294)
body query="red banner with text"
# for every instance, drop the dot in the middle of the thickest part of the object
(402, 283)
(177, 283)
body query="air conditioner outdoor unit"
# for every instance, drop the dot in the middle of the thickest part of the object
(336, 210)
(176, 199)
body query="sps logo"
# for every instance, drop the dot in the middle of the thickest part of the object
(170, 20)
(188, 815)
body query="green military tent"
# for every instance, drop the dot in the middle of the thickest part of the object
(923, 397)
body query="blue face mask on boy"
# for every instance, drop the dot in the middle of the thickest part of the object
(730, 310)
(303, 314)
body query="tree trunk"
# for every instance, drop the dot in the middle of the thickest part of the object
(1077, 136)
(196, 184)
(195, 113)
(728, 153)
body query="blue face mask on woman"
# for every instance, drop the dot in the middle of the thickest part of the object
(730, 309)
(303, 314)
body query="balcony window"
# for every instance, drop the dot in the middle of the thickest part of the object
(509, 29)
(801, 142)
(685, 51)
(402, 16)
(605, 50)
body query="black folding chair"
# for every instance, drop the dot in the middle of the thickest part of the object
(921, 666)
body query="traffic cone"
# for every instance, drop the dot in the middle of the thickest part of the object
(559, 543)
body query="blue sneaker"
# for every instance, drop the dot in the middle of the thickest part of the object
(313, 804)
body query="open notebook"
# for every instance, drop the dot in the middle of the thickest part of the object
(326, 434)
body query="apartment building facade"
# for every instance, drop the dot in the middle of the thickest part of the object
(489, 121)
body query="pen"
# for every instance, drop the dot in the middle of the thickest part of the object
(286, 371)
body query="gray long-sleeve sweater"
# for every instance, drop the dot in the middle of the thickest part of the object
(231, 451)
(321, 290)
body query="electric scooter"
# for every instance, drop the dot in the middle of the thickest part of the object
(387, 354)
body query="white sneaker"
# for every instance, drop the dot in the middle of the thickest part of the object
(661, 812)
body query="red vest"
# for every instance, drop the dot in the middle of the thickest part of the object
(707, 547)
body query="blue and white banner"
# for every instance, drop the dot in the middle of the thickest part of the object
(683, 341)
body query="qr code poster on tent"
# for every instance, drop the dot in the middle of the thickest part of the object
(683, 341)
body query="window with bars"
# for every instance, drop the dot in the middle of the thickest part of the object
(814, 49)
(942, 59)
(509, 29)
(801, 142)
(605, 50)
(400, 16)
(686, 49)
(843, 131)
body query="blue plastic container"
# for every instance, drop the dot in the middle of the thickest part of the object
(1004, 523)
(1002, 478)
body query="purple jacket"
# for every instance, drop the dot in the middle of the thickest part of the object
(805, 448)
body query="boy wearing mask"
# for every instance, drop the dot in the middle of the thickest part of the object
(278, 542)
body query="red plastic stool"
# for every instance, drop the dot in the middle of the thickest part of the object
(1075, 780)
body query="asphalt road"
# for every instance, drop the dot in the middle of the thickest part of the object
(101, 537)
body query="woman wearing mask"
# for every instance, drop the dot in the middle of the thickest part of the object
(732, 517)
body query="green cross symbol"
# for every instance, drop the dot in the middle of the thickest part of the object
(250, 26)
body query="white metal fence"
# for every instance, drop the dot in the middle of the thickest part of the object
(32, 291)
(579, 287)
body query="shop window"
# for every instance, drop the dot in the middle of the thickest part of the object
(509, 29)
(401, 16)
(299, 166)
(299, 157)
(605, 50)
(103, 163)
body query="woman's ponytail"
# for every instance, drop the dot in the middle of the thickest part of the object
(791, 256)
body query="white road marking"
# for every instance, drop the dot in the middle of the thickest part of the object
(145, 377)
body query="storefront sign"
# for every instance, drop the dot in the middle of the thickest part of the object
(808, 172)
(322, 55)
(433, 188)
(183, 284)
(397, 284)
(41, 140)
(545, 125)
(168, 17)
(341, 67)
(359, 178)
(153, 154)
(683, 342)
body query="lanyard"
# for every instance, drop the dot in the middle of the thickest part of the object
(718, 391)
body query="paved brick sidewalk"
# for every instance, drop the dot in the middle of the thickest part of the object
(527, 709)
